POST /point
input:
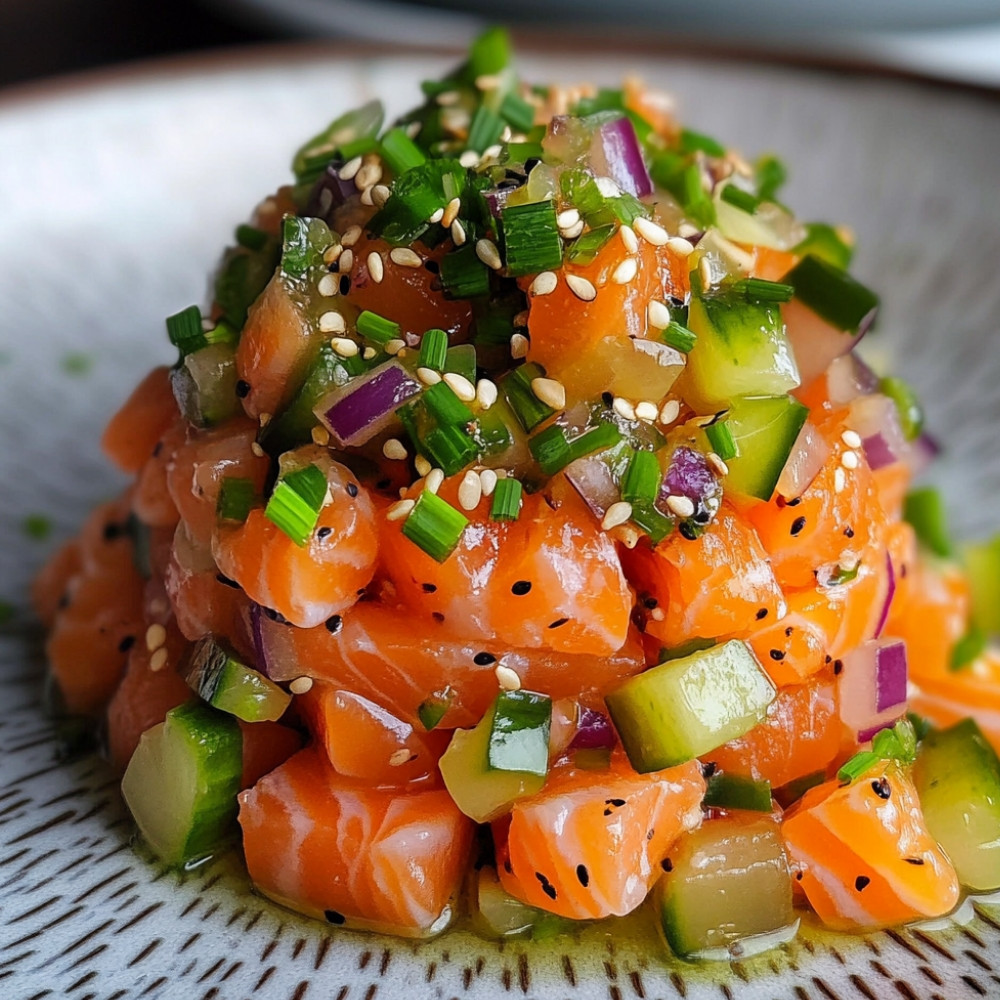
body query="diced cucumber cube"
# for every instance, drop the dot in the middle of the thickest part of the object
(497, 913)
(519, 736)
(205, 385)
(687, 707)
(738, 791)
(982, 564)
(220, 678)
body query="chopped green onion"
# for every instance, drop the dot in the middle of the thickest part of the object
(433, 709)
(222, 333)
(296, 502)
(738, 198)
(485, 129)
(842, 575)
(680, 338)
(463, 274)
(857, 765)
(313, 156)
(242, 277)
(771, 175)
(445, 406)
(921, 726)
(185, 332)
(400, 152)
(434, 525)
(236, 497)
(489, 53)
(923, 508)
(911, 413)
(650, 519)
(416, 195)
(832, 293)
(551, 449)
(606, 99)
(358, 147)
(643, 475)
(528, 408)
(521, 152)
(762, 290)
(506, 504)
(517, 113)
(376, 328)
(531, 238)
(251, 237)
(295, 246)
(433, 349)
(738, 791)
(585, 248)
(720, 437)
(461, 359)
(604, 435)
(493, 433)
(449, 447)
(696, 142)
(968, 648)
(825, 242)
(898, 742)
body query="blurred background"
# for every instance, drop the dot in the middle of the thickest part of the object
(956, 41)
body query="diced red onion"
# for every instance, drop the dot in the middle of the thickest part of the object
(616, 153)
(814, 341)
(354, 413)
(329, 193)
(593, 732)
(808, 455)
(592, 479)
(876, 419)
(873, 686)
(272, 642)
(496, 198)
(688, 476)
(890, 676)
(257, 635)
(890, 593)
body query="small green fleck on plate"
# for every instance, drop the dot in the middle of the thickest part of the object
(7, 611)
(77, 363)
(37, 526)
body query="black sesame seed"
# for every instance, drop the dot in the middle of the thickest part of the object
(126, 644)
(345, 284)
(324, 531)
(607, 398)
(849, 532)
(793, 503)
(707, 768)
(157, 448)
(226, 582)
(650, 834)
(914, 861)
(838, 666)
(583, 875)
(334, 624)
(797, 525)
(437, 616)
(112, 531)
(547, 887)
(242, 388)
(521, 588)
(558, 622)
(882, 788)
(688, 531)
(432, 265)
(429, 588)
(861, 882)
(761, 613)
(484, 659)
(352, 489)
(777, 654)
(383, 484)
(789, 631)
(649, 603)
(617, 803)
(275, 616)
(334, 917)
(667, 865)
(798, 876)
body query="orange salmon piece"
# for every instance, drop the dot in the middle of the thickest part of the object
(151, 500)
(399, 659)
(364, 740)
(143, 419)
(864, 853)
(49, 585)
(266, 745)
(792, 649)
(719, 584)
(800, 735)
(332, 848)
(590, 843)
(551, 579)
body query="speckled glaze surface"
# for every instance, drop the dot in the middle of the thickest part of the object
(115, 198)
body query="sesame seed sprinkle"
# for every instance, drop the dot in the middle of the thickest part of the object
(488, 481)
(550, 391)
(521, 318)
(394, 346)
(428, 376)
(375, 267)
(344, 346)
(680, 246)
(447, 98)
(264, 419)
(623, 408)
(450, 213)
(849, 460)
(158, 660)
(328, 285)
(346, 261)
(405, 257)
(650, 231)
(368, 353)
(301, 685)
(332, 322)
(331, 254)
(422, 465)
(434, 480)
(400, 757)
(518, 346)
(618, 513)
(646, 410)
(851, 438)
(256, 449)
(351, 236)
(670, 411)
(486, 251)
(380, 195)
(156, 636)
(507, 679)
(716, 464)
(349, 169)
(567, 219)
(457, 233)
(581, 287)
(469, 158)
(368, 176)
(461, 386)
(544, 283)
(486, 393)
(839, 480)
(628, 237)
(657, 314)
(399, 510)
(394, 450)
(470, 491)
(320, 435)
(625, 271)
(705, 270)
(681, 506)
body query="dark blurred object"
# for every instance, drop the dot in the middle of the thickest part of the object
(45, 37)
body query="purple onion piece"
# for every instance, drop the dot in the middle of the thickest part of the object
(593, 732)
(808, 456)
(890, 676)
(257, 634)
(849, 377)
(593, 480)
(496, 199)
(890, 593)
(688, 476)
(616, 153)
(329, 193)
(354, 413)
(878, 451)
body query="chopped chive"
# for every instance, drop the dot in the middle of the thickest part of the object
(641, 482)
(485, 129)
(506, 504)
(433, 349)
(433, 709)
(968, 648)
(738, 791)
(312, 156)
(222, 333)
(489, 53)
(842, 575)
(517, 112)
(358, 147)
(445, 406)
(185, 332)
(521, 152)
(251, 237)
(400, 152)
(296, 502)
(376, 328)
(650, 519)
(604, 435)
(417, 194)
(832, 294)
(37, 527)
(911, 413)
(762, 290)
(551, 449)
(825, 242)
(923, 508)
(720, 437)
(236, 497)
(696, 142)
(463, 274)
(771, 175)
(585, 248)
(449, 447)
(738, 198)
(857, 765)
(528, 408)
(434, 525)
(531, 238)
(897, 742)
(493, 433)
(294, 246)
(680, 338)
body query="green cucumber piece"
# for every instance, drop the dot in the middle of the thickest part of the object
(924, 509)
(831, 293)
(765, 429)
(728, 891)
(741, 350)
(687, 707)
(824, 242)
(982, 565)
(218, 677)
(204, 385)
(497, 913)
(957, 777)
(504, 758)
(182, 781)
(738, 791)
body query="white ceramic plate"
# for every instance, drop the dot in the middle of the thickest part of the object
(115, 198)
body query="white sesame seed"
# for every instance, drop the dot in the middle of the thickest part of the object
(457, 233)
(567, 219)
(380, 195)
(650, 231)
(320, 435)
(434, 480)
(351, 236)
(394, 450)
(849, 460)
(451, 211)
(447, 98)
(607, 187)
(264, 419)
(581, 287)
(405, 257)
(492, 152)
(366, 196)
(716, 464)
(470, 491)
(623, 408)
(368, 353)
(645, 410)
(399, 510)
(544, 283)
(625, 271)
(422, 465)
(436, 216)
(332, 322)
(487, 81)
(550, 391)
(469, 158)
(368, 176)
(657, 314)
(344, 346)
(346, 261)
(486, 393)
(617, 513)
(301, 685)
(158, 660)
(518, 346)
(521, 318)
(705, 270)
(428, 376)
(572, 232)
(657, 614)
(687, 230)
(628, 237)
(460, 385)
(156, 636)
(394, 346)
(330, 254)
(328, 285)
(349, 169)
(839, 480)
(488, 481)
(627, 535)
(851, 438)
(486, 251)
(681, 506)
(680, 246)
(400, 757)
(670, 411)
(256, 449)
(375, 267)
(507, 679)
